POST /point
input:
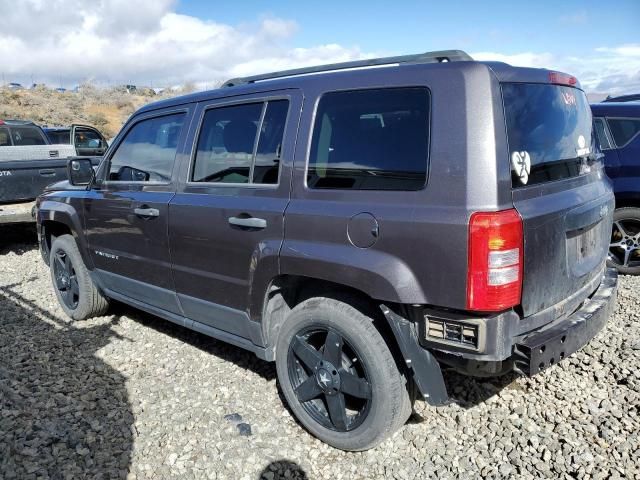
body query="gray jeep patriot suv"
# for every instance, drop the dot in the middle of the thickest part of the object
(364, 225)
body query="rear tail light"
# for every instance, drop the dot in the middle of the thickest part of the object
(562, 79)
(494, 278)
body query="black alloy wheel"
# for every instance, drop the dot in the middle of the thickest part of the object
(66, 280)
(329, 379)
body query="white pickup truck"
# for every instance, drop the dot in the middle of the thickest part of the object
(28, 163)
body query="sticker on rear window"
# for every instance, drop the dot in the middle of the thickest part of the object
(569, 98)
(582, 149)
(521, 164)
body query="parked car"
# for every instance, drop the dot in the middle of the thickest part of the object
(28, 163)
(88, 141)
(433, 212)
(15, 86)
(635, 97)
(618, 132)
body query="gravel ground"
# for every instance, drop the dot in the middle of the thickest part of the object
(129, 395)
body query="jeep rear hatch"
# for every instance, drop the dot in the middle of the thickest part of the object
(559, 190)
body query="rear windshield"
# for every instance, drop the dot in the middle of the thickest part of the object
(549, 129)
(24, 136)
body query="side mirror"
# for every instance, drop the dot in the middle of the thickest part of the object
(80, 171)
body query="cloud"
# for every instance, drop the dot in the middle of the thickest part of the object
(613, 70)
(525, 59)
(144, 42)
(628, 50)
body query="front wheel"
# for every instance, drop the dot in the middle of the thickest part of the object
(76, 292)
(338, 375)
(624, 249)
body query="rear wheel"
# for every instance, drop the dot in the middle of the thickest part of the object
(624, 249)
(339, 376)
(76, 292)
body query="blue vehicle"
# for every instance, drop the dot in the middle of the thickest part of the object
(617, 126)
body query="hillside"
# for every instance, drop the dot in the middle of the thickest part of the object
(106, 109)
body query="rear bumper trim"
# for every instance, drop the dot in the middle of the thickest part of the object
(541, 349)
(17, 212)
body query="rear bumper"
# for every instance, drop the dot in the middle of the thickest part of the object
(529, 353)
(508, 342)
(17, 213)
(539, 350)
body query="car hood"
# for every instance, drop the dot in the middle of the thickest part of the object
(63, 185)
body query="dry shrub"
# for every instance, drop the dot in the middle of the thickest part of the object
(98, 120)
(105, 108)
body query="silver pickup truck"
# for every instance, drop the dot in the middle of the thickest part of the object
(28, 163)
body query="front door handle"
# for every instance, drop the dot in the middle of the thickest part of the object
(249, 222)
(147, 212)
(47, 172)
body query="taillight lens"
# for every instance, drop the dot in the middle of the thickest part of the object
(494, 279)
(562, 79)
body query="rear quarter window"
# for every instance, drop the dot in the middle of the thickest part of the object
(375, 139)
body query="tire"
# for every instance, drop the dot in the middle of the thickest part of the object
(381, 403)
(625, 241)
(76, 292)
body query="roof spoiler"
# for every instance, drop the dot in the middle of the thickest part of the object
(440, 56)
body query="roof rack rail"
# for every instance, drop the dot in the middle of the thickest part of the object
(440, 56)
(16, 123)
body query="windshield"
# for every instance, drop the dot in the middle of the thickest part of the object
(549, 130)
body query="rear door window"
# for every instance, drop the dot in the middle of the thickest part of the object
(267, 160)
(241, 144)
(59, 137)
(549, 130)
(148, 151)
(375, 139)
(624, 129)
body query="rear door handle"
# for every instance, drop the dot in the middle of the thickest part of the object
(250, 222)
(147, 212)
(47, 173)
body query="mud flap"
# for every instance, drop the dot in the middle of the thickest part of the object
(426, 369)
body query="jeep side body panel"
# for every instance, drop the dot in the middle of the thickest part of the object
(202, 240)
